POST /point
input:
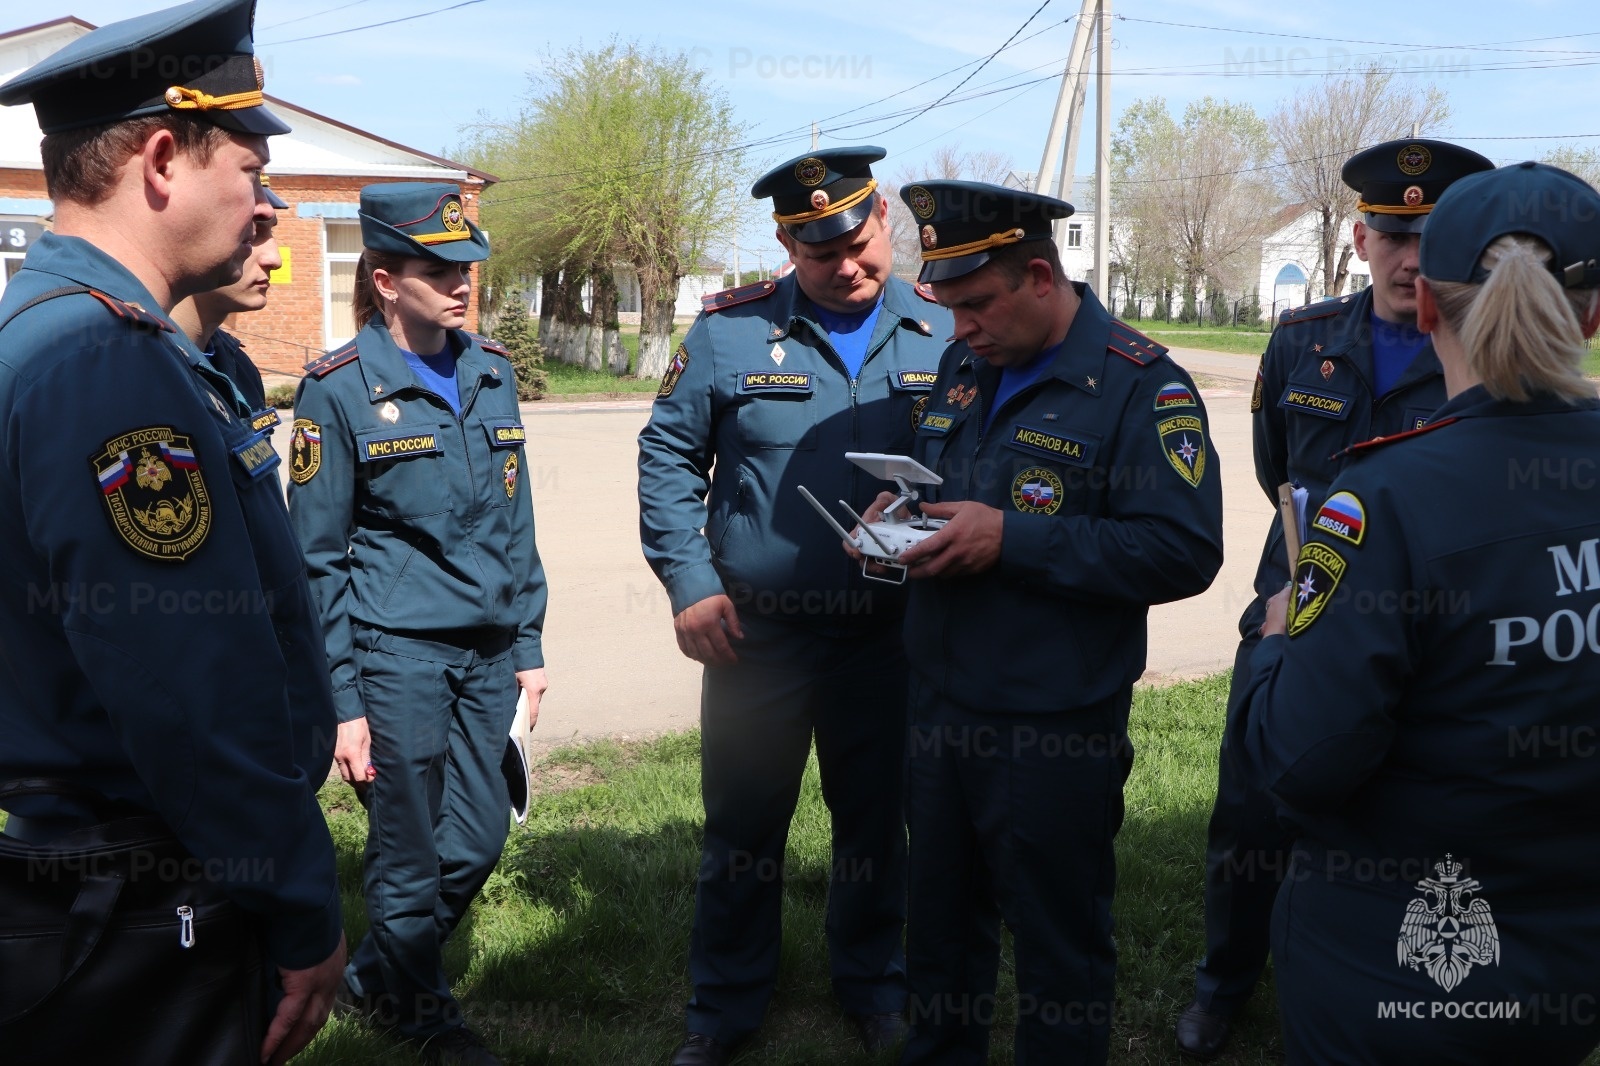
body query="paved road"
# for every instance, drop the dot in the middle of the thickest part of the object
(615, 669)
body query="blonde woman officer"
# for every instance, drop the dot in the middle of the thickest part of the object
(1424, 691)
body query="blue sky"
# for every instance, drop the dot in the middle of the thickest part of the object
(1508, 72)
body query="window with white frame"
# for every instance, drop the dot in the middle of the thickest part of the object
(342, 248)
(1074, 234)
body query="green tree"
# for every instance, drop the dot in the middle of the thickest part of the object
(620, 155)
(513, 330)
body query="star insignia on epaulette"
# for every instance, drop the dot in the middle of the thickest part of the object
(377, 390)
(1093, 384)
(1316, 347)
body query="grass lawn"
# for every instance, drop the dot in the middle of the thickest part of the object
(1235, 341)
(576, 952)
(568, 380)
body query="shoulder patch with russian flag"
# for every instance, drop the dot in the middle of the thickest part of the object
(1343, 516)
(154, 493)
(1175, 394)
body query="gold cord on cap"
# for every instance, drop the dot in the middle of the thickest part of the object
(983, 244)
(832, 209)
(439, 238)
(182, 98)
(1395, 209)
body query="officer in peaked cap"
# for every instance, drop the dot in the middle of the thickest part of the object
(1080, 487)
(192, 686)
(1422, 700)
(774, 382)
(1335, 373)
(196, 58)
(278, 203)
(409, 490)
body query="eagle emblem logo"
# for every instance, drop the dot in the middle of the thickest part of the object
(1449, 930)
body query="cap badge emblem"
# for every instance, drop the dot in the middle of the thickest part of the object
(930, 239)
(922, 202)
(1414, 159)
(810, 171)
(819, 200)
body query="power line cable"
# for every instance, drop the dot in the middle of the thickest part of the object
(969, 77)
(314, 14)
(370, 25)
(1487, 46)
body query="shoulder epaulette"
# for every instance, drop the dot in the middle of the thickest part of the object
(1320, 309)
(1133, 345)
(132, 312)
(488, 345)
(332, 361)
(1367, 447)
(925, 291)
(719, 301)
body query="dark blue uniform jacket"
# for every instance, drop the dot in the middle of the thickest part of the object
(157, 634)
(757, 390)
(413, 519)
(1112, 501)
(1438, 685)
(1314, 398)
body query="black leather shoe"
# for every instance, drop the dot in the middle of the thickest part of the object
(880, 1032)
(1202, 1034)
(698, 1049)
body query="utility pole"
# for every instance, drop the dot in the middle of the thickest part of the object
(736, 281)
(1102, 160)
(1066, 123)
(814, 132)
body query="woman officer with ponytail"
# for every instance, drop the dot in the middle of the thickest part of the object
(409, 493)
(1426, 702)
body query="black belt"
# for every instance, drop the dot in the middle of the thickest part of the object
(486, 642)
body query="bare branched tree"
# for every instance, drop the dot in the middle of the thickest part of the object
(1327, 123)
(947, 161)
(1584, 162)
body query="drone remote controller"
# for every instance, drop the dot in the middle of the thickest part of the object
(882, 543)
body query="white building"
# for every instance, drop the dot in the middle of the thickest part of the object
(1075, 234)
(1291, 262)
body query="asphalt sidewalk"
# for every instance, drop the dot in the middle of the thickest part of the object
(615, 669)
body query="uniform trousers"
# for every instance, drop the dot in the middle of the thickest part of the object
(1012, 819)
(758, 719)
(1248, 851)
(437, 812)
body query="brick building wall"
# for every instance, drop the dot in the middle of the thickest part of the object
(22, 183)
(290, 332)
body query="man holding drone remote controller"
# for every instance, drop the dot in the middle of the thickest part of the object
(772, 385)
(1079, 487)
